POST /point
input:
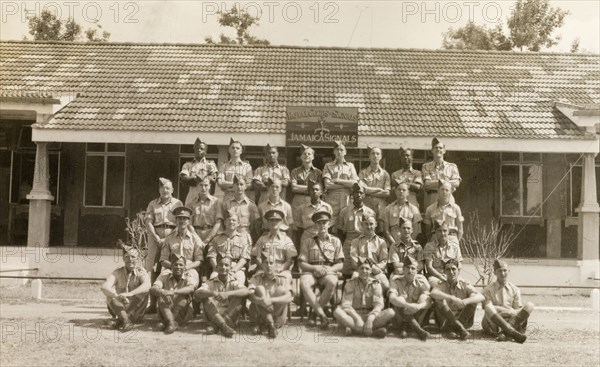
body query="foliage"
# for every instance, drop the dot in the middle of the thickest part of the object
(48, 27)
(532, 22)
(137, 237)
(575, 45)
(483, 243)
(475, 37)
(240, 20)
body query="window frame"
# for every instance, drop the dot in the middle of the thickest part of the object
(520, 163)
(105, 154)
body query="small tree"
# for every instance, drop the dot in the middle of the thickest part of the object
(48, 27)
(137, 237)
(239, 20)
(483, 243)
(475, 37)
(532, 22)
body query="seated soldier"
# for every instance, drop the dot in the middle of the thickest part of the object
(321, 258)
(233, 244)
(270, 293)
(174, 289)
(409, 296)
(404, 246)
(370, 247)
(504, 298)
(222, 297)
(126, 291)
(276, 244)
(184, 242)
(361, 310)
(455, 301)
(439, 250)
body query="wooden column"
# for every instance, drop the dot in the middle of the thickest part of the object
(588, 229)
(40, 200)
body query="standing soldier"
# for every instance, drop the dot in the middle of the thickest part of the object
(438, 251)
(222, 298)
(400, 209)
(240, 203)
(235, 167)
(160, 222)
(233, 244)
(361, 310)
(126, 290)
(446, 210)
(338, 177)
(271, 170)
(274, 201)
(321, 258)
(270, 293)
(377, 182)
(350, 221)
(306, 225)
(409, 297)
(192, 172)
(505, 298)
(174, 289)
(407, 174)
(436, 170)
(206, 211)
(299, 180)
(405, 246)
(371, 248)
(183, 242)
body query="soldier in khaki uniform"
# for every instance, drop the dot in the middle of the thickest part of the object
(409, 296)
(174, 289)
(377, 183)
(126, 290)
(273, 200)
(401, 208)
(372, 248)
(192, 172)
(242, 205)
(447, 211)
(436, 170)
(271, 293)
(232, 244)
(403, 247)
(321, 258)
(271, 170)
(350, 225)
(206, 211)
(439, 250)
(299, 179)
(408, 175)
(315, 205)
(183, 242)
(222, 298)
(361, 310)
(235, 167)
(505, 298)
(160, 222)
(338, 177)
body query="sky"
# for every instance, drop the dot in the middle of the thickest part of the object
(368, 24)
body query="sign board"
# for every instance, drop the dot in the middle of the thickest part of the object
(320, 126)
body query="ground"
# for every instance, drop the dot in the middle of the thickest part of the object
(73, 332)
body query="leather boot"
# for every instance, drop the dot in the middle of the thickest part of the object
(519, 319)
(414, 325)
(508, 330)
(226, 330)
(449, 316)
(171, 323)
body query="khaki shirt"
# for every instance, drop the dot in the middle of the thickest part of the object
(201, 168)
(161, 213)
(407, 211)
(410, 291)
(440, 255)
(167, 281)
(231, 168)
(309, 209)
(237, 246)
(344, 171)
(330, 246)
(206, 212)
(508, 296)
(350, 219)
(189, 245)
(126, 282)
(408, 176)
(282, 205)
(280, 248)
(245, 209)
(450, 213)
(399, 250)
(300, 176)
(269, 284)
(363, 297)
(215, 284)
(373, 248)
(462, 289)
(275, 171)
(446, 171)
(378, 178)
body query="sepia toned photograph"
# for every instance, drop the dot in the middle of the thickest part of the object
(300, 183)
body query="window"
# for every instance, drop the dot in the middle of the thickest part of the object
(186, 154)
(104, 184)
(521, 184)
(575, 174)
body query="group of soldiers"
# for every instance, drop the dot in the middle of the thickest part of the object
(235, 256)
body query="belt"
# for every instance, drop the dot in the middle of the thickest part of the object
(164, 226)
(202, 228)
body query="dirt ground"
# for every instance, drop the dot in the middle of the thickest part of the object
(74, 333)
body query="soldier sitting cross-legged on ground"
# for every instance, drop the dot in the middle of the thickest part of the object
(222, 297)
(174, 289)
(361, 310)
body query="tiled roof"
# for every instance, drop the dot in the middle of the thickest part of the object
(234, 89)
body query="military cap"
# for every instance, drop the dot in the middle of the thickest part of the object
(274, 214)
(408, 261)
(198, 142)
(434, 142)
(164, 181)
(337, 143)
(438, 223)
(310, 182)
(231, 141)
(268, 147)
(370, 147)
(238, 178)
(363, 260)
(498, 264)
(305, 147)
(358, 187)
(443, 182)
(320, 216)
(232, 212)
(182, 211)
(175, 257)
(220, 257)
(203, 178)
(399, 182)
(132, 251)
(402, 150)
